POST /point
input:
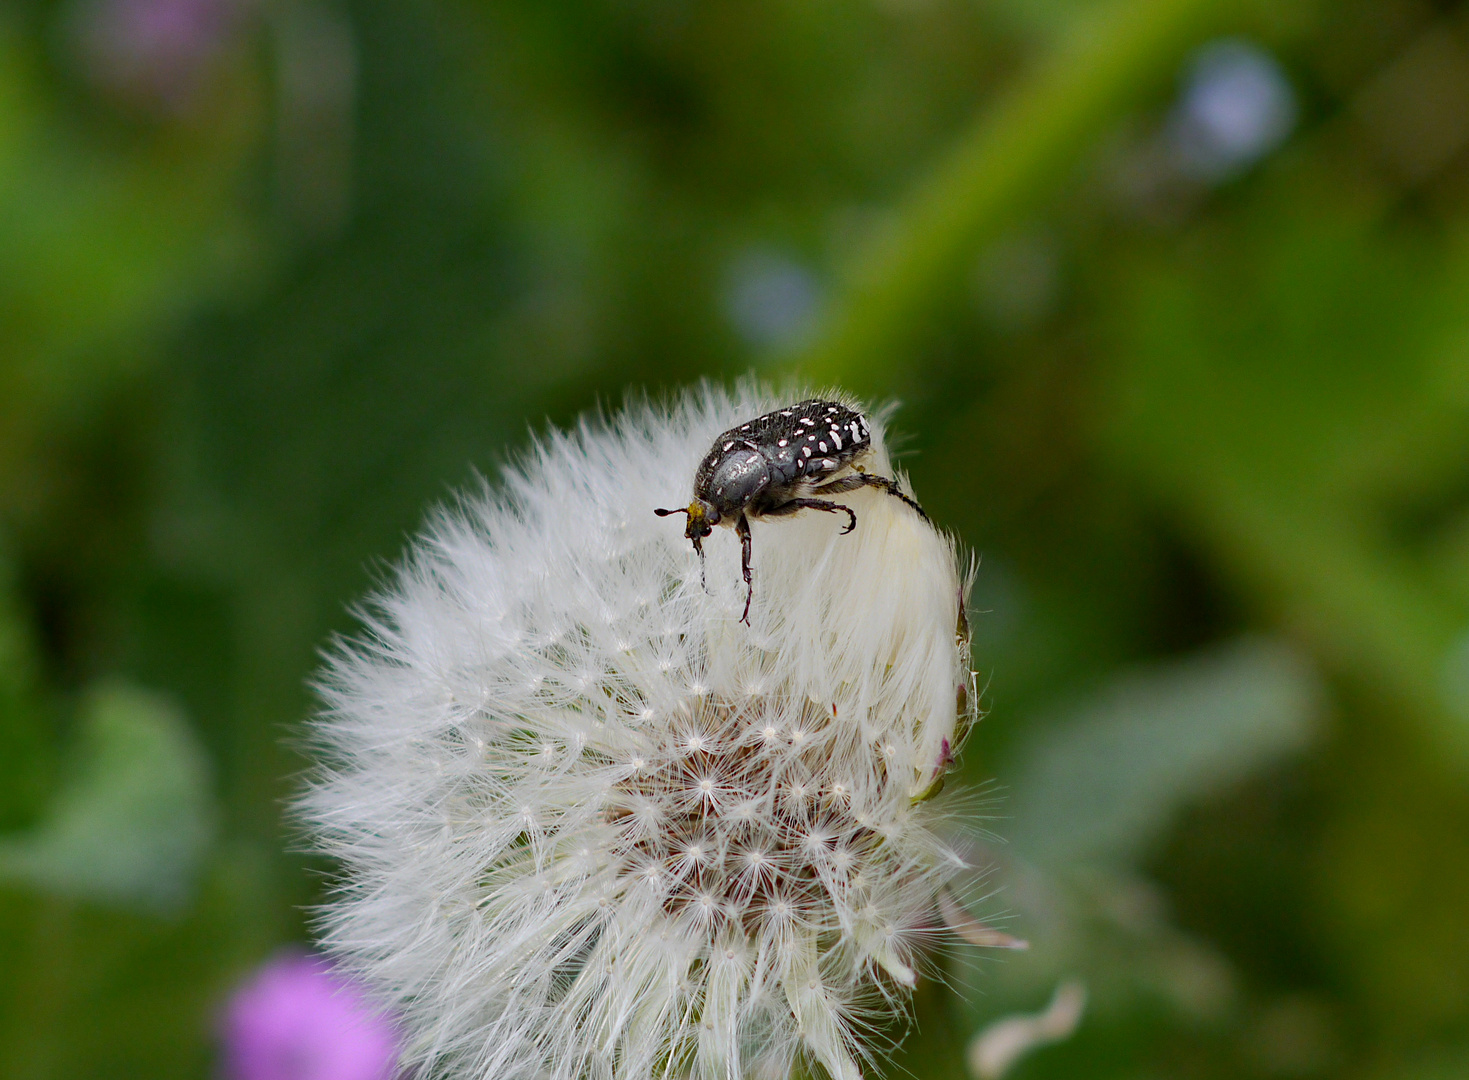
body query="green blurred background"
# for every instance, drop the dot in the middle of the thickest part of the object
(1174, 294)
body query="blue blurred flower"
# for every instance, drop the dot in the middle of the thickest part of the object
(299, 1019)
(1237, 105)
(770, 299)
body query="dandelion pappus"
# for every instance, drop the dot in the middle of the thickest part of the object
(772, 466)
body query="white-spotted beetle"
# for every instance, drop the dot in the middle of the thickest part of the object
(772, 466)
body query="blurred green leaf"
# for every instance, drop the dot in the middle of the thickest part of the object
(25, 750)
(133, 821)
(1450, 1063)
(1096, 788)
(1251, 392)
(1101, 784)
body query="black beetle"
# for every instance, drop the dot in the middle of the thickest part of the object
(772, 466)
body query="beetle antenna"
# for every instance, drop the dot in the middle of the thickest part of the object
(703, 581)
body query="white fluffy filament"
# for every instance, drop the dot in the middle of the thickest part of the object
(593, 827)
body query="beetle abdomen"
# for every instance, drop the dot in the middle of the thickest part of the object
(805, 441)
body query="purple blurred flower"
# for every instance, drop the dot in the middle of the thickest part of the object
(158, 53)
(298, 1019)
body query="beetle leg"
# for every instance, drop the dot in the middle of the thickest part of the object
(742, 526)
(859, 480)
(703, 581)
(815, 504)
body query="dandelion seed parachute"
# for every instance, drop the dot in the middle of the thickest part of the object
(590, 825)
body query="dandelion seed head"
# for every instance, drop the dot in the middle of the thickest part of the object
(669, 844)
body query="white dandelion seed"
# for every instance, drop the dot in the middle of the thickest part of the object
(592, 826)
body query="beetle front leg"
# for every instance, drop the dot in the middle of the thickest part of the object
(742, 527)
(703, 580)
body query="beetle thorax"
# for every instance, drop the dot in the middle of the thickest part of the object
(736, 478)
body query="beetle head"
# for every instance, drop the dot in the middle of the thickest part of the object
(702, 519)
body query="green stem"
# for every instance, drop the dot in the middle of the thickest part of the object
(1016, 153)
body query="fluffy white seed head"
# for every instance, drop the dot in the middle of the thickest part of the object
(591, 825)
